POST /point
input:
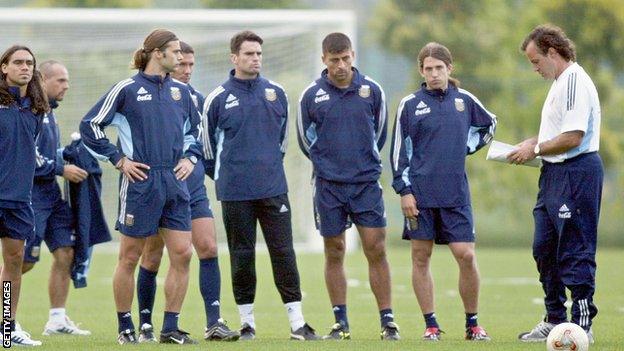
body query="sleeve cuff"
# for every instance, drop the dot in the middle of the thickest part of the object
(406, 191)
(191, 152)
(574, 128)
(116, 157)
(59, 166)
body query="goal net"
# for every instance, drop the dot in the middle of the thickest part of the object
(97, 45)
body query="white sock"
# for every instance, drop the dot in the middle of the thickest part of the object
(57, 315)
(295, 315)
(247, 314)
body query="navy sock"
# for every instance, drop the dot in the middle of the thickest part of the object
(340, 313)
(125, 321)
(146, 293)
(471, 320)
(430, 320)
(210, 288)
(170, 322)
(12, 325)
(386, 316)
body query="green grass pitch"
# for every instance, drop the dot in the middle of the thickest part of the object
(510, 303)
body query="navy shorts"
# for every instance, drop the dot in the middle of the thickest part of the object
(17, 223)
(160, 201)
(53, 225)
(443, 225)
(336, 205)
(200, 205)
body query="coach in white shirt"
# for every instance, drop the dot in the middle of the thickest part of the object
(570, 184)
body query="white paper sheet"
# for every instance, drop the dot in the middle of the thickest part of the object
(498, 152)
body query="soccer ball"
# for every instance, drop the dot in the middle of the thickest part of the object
(567, 337)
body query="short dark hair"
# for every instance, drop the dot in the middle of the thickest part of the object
(548, 36)
(335, 43)
(240, 37)
(186, 48)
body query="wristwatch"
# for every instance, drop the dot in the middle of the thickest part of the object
(536, 150)
(193, 159)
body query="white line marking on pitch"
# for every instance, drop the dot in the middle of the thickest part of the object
(451, 293)
(353, 283)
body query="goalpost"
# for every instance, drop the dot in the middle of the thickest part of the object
(97, 45)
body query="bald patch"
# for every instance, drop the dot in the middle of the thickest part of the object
(50, 68)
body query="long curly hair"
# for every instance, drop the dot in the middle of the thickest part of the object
(35, 90)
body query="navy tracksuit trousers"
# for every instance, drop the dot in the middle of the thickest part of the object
(566, 227)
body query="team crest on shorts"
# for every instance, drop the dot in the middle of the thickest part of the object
(175, 93)
(36, 250)
(270, 94)
(364, 91)
(129, 222)
(459, 104)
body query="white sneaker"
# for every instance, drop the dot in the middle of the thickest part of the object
(66, 327)
(590, 335)
(538, 334)
(21, 338)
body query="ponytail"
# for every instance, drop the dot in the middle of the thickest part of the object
(157, 39)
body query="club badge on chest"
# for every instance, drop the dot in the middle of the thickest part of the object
(459, 104)
(270, 94)
(364, 91)
(175, 93)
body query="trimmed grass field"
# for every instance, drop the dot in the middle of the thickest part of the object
(510, 303)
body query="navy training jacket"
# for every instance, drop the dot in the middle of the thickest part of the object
(156, 118)
(247, 126)
(46, 190)
(18, 130)
(85, 199)
(343, 130)
(434, 130)
(208, 165)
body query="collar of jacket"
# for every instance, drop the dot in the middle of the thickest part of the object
(53, 103)
(15, 92)
(355, 80)
(188, 85)
(22, 102)
(156, 79)
(191, 89)
(438, 92)
(245, 84)
(179, 82)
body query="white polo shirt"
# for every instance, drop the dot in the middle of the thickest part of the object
(572, 104)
